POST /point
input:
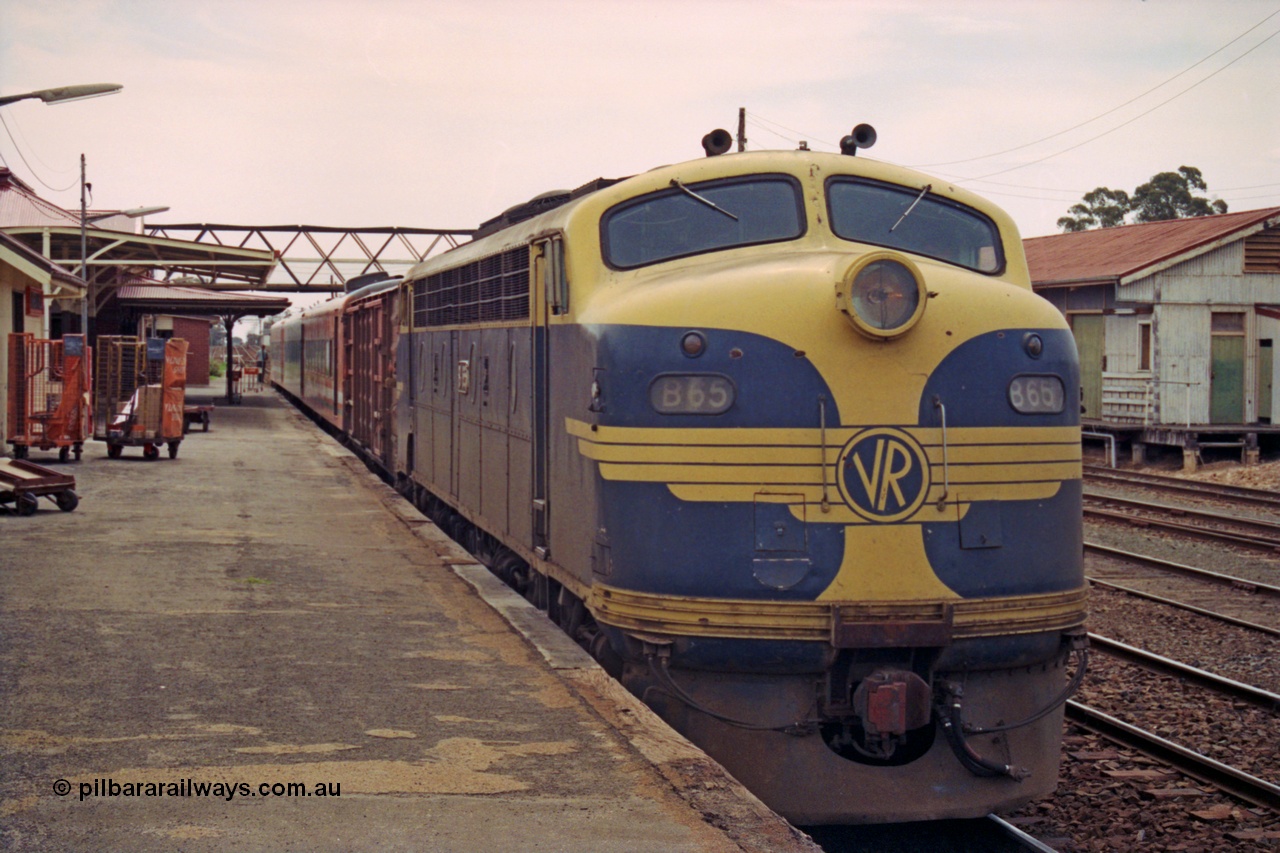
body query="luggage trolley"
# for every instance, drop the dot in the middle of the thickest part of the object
(48, 394)
(139, 394)
(24, 483)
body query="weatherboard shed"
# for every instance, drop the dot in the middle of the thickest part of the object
(1176, 323)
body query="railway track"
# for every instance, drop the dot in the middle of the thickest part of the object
(1243, 601)
(1237, 690)
(1224, 777)
(992, 834)
(1205, 524)
(1162, 483)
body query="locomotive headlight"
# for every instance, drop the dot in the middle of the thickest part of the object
(883, 295)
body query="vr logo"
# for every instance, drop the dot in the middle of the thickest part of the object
(883, 474)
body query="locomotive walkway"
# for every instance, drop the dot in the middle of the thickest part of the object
(262, 612)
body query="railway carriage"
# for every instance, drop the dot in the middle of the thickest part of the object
(311, 353)
(787, 440)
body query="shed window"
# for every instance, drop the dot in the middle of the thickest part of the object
(1228, 323)
(1144, 346)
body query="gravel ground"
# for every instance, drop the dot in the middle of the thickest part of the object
(1112, 799)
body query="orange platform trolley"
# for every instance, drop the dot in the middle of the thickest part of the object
(139, 394)
(48, 405)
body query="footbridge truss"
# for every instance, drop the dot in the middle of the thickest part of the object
(318, 258)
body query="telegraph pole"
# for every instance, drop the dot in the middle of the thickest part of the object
(84, 253)
(742, 129)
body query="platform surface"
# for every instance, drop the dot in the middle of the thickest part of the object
(204, 631)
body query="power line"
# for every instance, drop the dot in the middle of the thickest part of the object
(1130, 121)
(30, 168)
(1126, 103)
(797, 134)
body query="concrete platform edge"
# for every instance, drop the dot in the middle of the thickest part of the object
(696, 778)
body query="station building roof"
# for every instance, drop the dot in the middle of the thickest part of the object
(161, 298)
(113, 255)
(1127, 253)
(40, 270)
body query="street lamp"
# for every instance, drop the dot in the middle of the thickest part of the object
(132, 213)
(66, 93)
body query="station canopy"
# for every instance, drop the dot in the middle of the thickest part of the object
(115, 256)
(152, 297)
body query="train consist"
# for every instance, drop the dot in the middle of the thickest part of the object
(783, 437)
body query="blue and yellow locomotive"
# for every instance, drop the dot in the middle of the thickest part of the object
(789, 441)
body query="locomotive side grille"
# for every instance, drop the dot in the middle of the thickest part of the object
(492, 289)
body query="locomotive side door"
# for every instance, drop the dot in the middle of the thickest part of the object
(548, 278)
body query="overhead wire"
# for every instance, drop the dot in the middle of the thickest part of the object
(31, 168)
(762, 123)
(1126, 103)
(1128, 122)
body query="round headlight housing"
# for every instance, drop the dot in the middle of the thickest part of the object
(883, 295)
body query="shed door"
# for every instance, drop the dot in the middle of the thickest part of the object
(1090, 335)
(1226, 377)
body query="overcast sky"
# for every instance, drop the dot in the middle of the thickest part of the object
(441, 114)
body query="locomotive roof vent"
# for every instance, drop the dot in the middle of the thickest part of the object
(863, 136)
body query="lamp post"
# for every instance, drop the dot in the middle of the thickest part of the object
(65, 93)
(85, 219)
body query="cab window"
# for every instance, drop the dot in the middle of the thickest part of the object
(690, 219)
(912, 220)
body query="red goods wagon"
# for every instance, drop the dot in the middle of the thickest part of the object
(370, 324)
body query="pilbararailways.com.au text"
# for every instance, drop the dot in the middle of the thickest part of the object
(191, 788)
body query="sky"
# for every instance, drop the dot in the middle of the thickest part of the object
(442, 114)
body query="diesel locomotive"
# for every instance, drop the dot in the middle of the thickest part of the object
(784, 437)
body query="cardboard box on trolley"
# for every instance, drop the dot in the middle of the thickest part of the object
(140, 390)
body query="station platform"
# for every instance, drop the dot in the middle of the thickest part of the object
(258, 645)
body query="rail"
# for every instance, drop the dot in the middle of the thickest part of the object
(1222, 776)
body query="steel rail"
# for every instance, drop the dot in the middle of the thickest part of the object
(1182, 605)
(1223, 491)
(1024, 841)
(1226, 778)
(1256, 696)
(1210, 533)
(1179, 568)
(1255, 524)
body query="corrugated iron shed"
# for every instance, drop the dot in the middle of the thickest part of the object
(1128, 252)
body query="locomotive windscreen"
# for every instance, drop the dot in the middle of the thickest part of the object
(704, 217)
(911, 220)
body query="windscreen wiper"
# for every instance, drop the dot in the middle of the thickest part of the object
(675, 182)
(906, 212)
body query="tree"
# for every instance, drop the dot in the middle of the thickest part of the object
(1167, 195)
(1102, 207)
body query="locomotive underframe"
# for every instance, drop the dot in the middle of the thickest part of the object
(802, 775)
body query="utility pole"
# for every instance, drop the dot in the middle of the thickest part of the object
(742, 129)
(84, 252)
